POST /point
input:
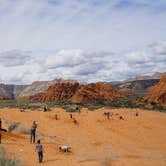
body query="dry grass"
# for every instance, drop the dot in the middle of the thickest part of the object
(8, 161)
(18, 128)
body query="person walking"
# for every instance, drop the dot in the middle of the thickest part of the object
(39, 149)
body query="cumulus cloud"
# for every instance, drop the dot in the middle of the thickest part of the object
(137, 57)
(88, 40)
(88, 24)
(14, 58)
(84, 66)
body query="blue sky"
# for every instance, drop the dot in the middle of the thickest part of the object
(87, 40)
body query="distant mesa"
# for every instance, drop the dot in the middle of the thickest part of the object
(138, 85)
(157, 93)
(71, 90)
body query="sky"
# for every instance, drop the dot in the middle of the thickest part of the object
(84, 40)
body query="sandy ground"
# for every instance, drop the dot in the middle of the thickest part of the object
(95, 140)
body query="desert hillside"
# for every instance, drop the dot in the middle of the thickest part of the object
(158, 92)
(95, 140)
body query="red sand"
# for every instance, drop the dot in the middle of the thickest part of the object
(95, 140)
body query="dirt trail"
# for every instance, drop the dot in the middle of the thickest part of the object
(95, 140)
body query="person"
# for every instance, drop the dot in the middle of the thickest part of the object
(0, 130)
(33, 132)
(56, 117)
(75, 121)
(45, 108)
(78, 110)
(71, 116)
(39, 149)
(65, 148)
(108, 115)
(121, 118)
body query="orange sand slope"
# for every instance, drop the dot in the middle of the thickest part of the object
(95, 140)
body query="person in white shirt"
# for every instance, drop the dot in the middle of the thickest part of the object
(64, 148)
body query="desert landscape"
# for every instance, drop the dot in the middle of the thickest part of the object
(95, 140)
(82, 83)
(76, 115)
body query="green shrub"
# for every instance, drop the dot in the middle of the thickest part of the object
(7, 161)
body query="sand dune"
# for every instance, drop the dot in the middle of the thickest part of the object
(95, 140)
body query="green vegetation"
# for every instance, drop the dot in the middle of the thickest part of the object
(8, 161)
(134, 101)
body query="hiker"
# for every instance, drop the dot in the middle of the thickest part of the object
(136, 114)
(22, 110)
(108, 115)
(56, 117)
(71, 116)
(33, 132)
(45, 109)
(75, 121)
(121, 118)
(78, 110)
(39, 149)
(0, 129)
(65, 148)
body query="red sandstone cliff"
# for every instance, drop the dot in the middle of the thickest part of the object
(75, 92)
(157, 93)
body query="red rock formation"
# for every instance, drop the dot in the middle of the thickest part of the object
(59, 91)
(157, 93)
(75, 92)
(3, 98)
(94, 92)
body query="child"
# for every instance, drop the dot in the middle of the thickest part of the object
(39, 149)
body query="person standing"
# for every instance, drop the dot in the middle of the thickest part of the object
(39, 149)
(0, 129)
(33, 132)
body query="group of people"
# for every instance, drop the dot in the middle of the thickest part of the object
(39, 146)
(120, 117)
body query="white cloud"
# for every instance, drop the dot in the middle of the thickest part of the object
(88, 40)
(14, 58)
(137, 57)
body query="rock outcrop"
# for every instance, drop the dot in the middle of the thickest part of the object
(157, 93)
(3, 98)
(78, 93)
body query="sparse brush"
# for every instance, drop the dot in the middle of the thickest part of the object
(19, 128)
(8, 161)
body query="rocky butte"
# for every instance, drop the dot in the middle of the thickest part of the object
(78, 93)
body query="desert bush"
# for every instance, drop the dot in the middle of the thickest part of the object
(19, 128)
(69, 108)
(22, 102)
(7, 161)
(153, 103)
